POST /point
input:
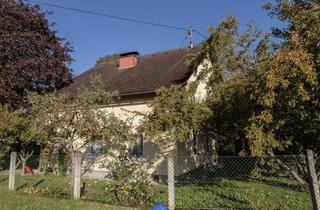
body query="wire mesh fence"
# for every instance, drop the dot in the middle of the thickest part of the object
(208, 168)
(182, 182)
(241, 182)
(4, 164)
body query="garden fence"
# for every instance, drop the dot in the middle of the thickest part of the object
(180, 182)
(231, 182)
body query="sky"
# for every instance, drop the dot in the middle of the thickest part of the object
(95, 36)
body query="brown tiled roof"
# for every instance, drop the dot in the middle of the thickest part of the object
(152, 71)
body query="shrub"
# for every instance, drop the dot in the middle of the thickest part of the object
(132, 186)
(132, 193)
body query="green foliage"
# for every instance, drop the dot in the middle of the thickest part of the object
(234, 67)
(289, 89)
(18, 132)
(175, 116)
(264, 97)
(63, 163)
(107, 58)
(74, 121)
(131, 193)
(133, 186)
(234, 59)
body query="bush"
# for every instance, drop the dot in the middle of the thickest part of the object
(132, 193)
(132, 186)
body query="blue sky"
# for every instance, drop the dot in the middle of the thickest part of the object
(93, 36)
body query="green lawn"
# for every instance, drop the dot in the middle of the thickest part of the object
(237, 194)
(223, 193)
(16, 201)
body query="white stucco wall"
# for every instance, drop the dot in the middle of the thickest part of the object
(129, 111)
(201, 91)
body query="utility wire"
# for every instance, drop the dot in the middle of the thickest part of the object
(118, 17)
(183, 41)
(110, 16)
(201, 34)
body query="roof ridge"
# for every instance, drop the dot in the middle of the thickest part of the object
(171, 50)
(150, 54)
(141, 56)
(165, 51)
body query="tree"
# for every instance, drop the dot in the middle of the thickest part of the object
(72, 122)
(289, 90)
(264, 97)
(175, 117)
(235, 58)
(267, 97)
(32, 56)
(75, 121)
(18, 133)
(107, 58)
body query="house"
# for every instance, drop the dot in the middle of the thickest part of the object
(136, 78)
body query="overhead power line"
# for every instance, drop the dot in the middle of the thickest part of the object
(201, 34)
(139, 21)
(183, 41)
(110, 16)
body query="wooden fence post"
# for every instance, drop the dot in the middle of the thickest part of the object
(313, 181)
(77, 175)
(12, 173)
(171, 194)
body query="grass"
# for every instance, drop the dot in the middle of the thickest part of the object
(223, 193)
(16, 201)
(244, 194)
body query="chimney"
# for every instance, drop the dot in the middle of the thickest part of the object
(128, 60)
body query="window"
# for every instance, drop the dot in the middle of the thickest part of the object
(137, 149)
(94, 148)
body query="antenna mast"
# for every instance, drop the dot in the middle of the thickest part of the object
(190, 37)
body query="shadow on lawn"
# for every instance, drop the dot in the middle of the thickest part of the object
(219, 188)
(235, 168)
(278, 183)
(203, 175)
(50, 190)
(39, 182)
(22, 186)
(235, 200)
(26, 184)
(4, 179)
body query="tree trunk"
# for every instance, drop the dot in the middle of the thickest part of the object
(300, 180)
(24, 157)
(23, 166)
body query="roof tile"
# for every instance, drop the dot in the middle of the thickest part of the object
(152, 72)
